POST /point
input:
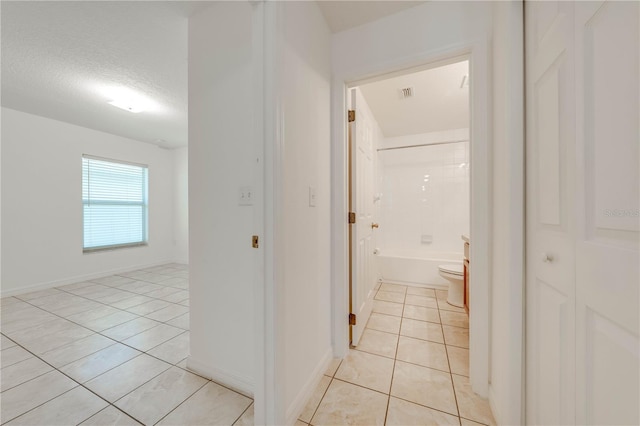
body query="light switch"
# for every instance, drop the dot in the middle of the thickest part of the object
(245, 196)
(312, 196)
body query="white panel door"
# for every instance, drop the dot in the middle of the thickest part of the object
(550, 153)
(582, 213)
(363, 277)
(608, 184)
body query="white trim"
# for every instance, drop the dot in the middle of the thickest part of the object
(270, 403)
(235, 382)
(481, 218)
(497, 414)
(295, 409)
(481, 200)
(79, 278)
(263, 398)
(112, 160)
(339, 216)
(512, 409)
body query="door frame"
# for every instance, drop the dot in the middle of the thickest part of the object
(481, 182)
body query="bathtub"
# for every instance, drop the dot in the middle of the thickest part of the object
(414, 268)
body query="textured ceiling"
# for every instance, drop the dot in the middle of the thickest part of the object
(439, 103)
(66, 60)
(343, 15)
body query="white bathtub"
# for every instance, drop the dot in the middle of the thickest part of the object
(414, 268)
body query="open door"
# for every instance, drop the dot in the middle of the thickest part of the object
(361, 258)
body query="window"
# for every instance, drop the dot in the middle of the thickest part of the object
(114, 198)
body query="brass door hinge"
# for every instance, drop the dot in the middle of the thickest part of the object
(255, 241)
(352, 217)
(351, 115)
(352, 319)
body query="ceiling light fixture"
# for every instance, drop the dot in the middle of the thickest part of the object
(126, 105)
(127, 99)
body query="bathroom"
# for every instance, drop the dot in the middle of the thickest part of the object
(421, 185)
(410, 213)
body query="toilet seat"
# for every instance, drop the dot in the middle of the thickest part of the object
(452, 268)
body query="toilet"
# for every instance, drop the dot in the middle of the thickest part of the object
(454, 273)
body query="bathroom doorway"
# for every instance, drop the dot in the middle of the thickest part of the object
(409, 193)
(409, 145)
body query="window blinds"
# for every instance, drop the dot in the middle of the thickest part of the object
(114, 198)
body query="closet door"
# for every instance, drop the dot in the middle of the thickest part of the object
(607, 291)
(583, 212)
(550, 215)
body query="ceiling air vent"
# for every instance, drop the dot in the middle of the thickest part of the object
(406, 92)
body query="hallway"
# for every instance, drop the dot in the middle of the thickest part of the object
(410, 367)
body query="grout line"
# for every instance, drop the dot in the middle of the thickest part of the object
(111, 405)
(448, 363)
(64, 374)
(386, 315)
(324, 393)
(453, 387)
(395, 358)
(55, 397)
(426, 406)
(185, 400)
(475, 421)
(361, 386)
(408, 362)
(242, 414)
(114, 340)
(101, 332)
(33, 378)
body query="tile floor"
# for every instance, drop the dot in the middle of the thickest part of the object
(411, 367)
(110, 351)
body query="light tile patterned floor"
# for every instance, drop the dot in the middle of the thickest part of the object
(108, 351)
(411, 367)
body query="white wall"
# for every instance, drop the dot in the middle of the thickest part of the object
(42, 202)
(221, 159)
(304, 80)
(181, 204)
(424, 204)
(508, 241)
(427, 33)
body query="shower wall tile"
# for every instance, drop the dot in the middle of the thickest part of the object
(424, 194)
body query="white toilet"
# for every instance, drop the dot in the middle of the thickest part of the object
(454, 273)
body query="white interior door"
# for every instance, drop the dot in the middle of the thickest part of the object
(607, 251)
(363, 276)
(582, 213)
(550, 158)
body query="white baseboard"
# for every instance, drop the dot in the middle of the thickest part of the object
(236, 382)
(494, 408)
(298, 404)
(77, 279)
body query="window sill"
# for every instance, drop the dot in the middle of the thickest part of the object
(113, 248)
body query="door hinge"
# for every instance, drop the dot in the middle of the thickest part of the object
(352, 319)
(255, 241)
(352, 217)
(352, 115)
